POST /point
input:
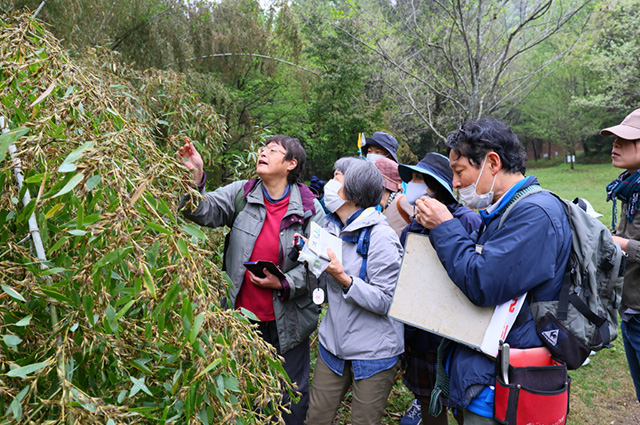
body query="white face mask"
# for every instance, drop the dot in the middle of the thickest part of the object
(415, 191)
(373, 157)
(471, 198)
(332, 200)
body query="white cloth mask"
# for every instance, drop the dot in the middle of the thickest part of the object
(332, 200)
(415, 191)
(373, 157)
(471, 198)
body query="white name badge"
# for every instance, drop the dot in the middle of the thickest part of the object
(318, 296)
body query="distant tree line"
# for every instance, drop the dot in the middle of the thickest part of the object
(325, 71)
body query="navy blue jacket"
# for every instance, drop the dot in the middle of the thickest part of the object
(528, 253)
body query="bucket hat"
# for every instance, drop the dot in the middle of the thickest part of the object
(628, 129)
(382, 140)
(389, 171)
(432, 165)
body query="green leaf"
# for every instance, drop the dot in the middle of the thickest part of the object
(12, 341)
(22, 372)
(24, 321)
(182, 247)
(211, 366)
(138, 385)
(16, 404)
(54, 270)
(56, 295)
(70, 185)
(87, 303)
(194, 231)
(148, 280)
(159, 228)
(12, 292)
(7, 139)
(92, 182)
(114, 256)
(76, 232)
(140, 365)
(249, 314)
(37, 178)
(68, 164)
(124, 309)
(197, 325)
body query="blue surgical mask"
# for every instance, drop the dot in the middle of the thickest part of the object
(332, 199)
(415, 191)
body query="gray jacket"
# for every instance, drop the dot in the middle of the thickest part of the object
(296, 315)
(356, 325)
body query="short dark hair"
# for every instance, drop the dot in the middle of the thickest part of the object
(294, 151)
(474, 139)
(363, 184)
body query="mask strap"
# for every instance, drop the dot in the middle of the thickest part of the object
(484, 161)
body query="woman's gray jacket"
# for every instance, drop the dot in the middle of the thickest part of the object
(296, 315)
(356, 325)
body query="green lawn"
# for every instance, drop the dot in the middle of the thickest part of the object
(585, 181)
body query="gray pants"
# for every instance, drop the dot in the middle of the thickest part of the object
(369, 395)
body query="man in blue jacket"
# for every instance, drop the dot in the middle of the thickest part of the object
(527, 254)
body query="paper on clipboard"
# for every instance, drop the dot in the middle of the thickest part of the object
(314, 252)
(426, 298)
(320, 240)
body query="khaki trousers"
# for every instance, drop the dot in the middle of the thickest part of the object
(369, 395)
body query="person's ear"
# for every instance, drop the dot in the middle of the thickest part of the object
(293, 163)
(494, 163)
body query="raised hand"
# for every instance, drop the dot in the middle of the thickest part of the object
(192, 160)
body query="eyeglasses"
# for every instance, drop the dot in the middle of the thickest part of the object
(269, 151)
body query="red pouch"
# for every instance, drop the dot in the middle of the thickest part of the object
(537, 394)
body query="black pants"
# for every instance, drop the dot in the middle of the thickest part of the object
(297, 365)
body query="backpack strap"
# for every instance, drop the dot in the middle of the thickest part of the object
(240, 202)
(519, 196)
(362, 248)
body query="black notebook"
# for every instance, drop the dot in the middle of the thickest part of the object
(256, 268)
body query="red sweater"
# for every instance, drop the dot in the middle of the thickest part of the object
(267, 248)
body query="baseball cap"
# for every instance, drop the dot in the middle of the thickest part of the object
(389, 171)
(628, 129)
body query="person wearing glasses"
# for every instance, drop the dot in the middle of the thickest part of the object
(263, 215)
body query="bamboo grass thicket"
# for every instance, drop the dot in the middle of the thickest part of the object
(140, 336)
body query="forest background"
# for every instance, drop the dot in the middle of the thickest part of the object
(120, 324)
(556, 71)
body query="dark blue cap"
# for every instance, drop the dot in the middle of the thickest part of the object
(433, 165)
(382, 140)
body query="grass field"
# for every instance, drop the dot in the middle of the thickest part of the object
(601, 392)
